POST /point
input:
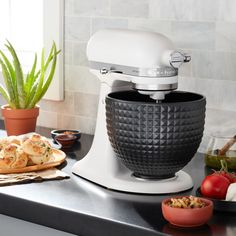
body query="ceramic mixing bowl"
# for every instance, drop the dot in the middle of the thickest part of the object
(155, 140)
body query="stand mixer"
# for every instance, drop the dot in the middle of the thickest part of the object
(124, 60)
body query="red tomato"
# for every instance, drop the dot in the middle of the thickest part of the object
(215, 186)
(226, 174)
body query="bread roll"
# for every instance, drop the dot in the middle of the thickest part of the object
(38, 160)
(21, 159)
(38, 149)
(9, 140)
(12, 156)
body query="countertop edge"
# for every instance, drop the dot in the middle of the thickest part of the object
(65, 220)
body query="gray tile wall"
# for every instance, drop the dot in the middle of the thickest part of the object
(204, 28)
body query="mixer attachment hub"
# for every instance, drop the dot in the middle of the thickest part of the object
(155, 91)
(155, 95)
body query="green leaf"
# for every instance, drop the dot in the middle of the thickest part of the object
(13, 76)
(50, 57)
(31, 96)
(9, 66)
(40, 83)
(51, 74)
(30, 79)
(19, 76)
(5, 94)
(8, 81)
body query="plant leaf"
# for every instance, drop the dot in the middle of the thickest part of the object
(30, 79)
(40, 83)
(51, 74)
(8, 81)
(5, 94)
(31, 96)
(19, 76)
(13, 77)
(9, 66)
(49, 58)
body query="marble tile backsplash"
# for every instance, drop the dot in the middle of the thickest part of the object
(130, 8)
(203, 28)
(194, 35)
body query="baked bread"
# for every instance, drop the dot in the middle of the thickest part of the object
(12, 156)
(19, 153)
(21, 159)
(38, 149)
(9, 140)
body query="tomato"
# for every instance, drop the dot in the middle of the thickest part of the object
(226, 174)
(215, 186)
(231, 176)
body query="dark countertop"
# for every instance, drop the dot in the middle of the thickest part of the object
(77, 206)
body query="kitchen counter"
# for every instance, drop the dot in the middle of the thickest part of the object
(82, 208)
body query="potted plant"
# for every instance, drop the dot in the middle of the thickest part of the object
(23, 92)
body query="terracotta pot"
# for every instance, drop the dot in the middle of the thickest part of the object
(19, 121)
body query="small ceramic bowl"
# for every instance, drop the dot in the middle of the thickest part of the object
(66, 140)
(76, 133)
(187, 217)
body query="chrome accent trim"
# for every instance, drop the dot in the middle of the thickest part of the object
(105, 68)
(156, 87)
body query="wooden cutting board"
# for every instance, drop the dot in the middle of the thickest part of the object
(57, 158)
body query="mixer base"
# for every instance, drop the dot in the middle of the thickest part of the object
(127, 182)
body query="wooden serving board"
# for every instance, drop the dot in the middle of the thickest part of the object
(57, 158)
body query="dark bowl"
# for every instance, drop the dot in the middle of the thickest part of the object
(66, 140)
(155, 140)
(76, 133)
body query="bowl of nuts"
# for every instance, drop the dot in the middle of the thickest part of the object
(187, 211)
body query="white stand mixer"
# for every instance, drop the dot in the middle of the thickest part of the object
(122, 59)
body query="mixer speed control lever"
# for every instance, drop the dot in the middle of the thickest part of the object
(104, 71)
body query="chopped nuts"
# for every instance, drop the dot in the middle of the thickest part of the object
(186, 202)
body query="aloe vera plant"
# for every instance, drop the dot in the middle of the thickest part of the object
(25, 91)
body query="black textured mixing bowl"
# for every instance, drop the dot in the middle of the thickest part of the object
(155, 140)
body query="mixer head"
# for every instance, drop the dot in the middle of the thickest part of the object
(148, 60)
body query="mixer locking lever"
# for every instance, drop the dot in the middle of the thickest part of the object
(178, 58)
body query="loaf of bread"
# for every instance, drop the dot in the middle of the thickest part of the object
(21, 152)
